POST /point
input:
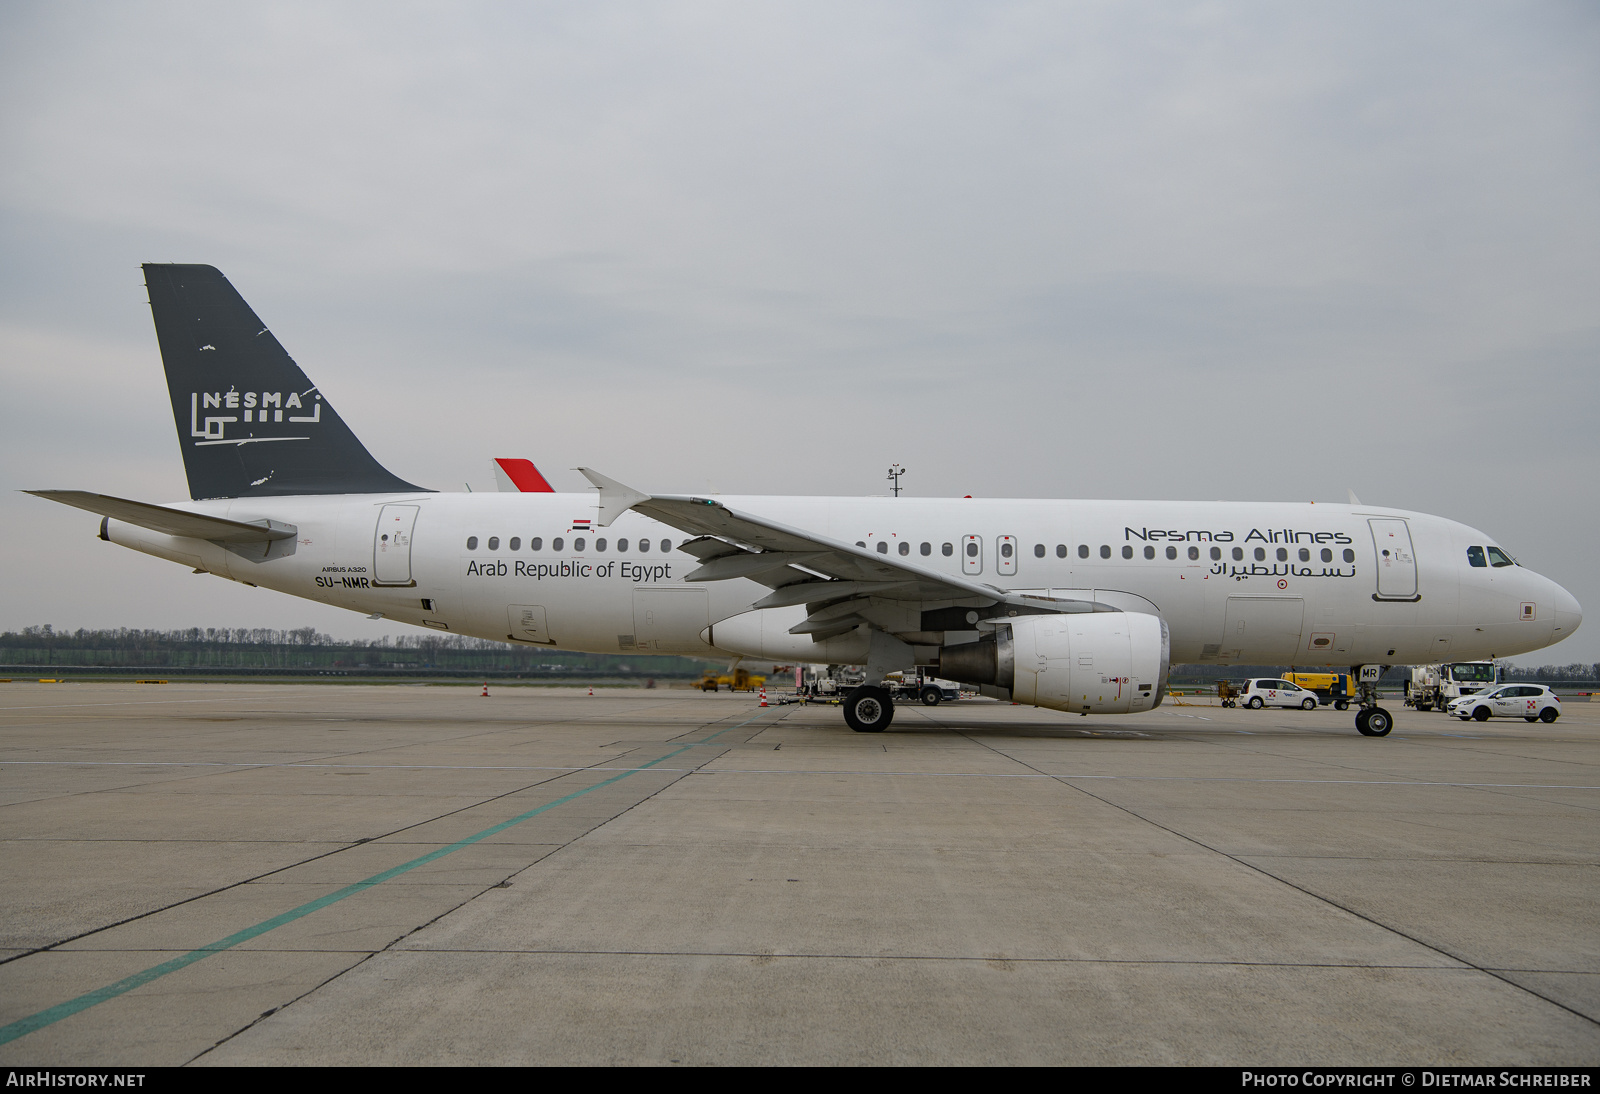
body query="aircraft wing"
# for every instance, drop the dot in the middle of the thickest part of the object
(172, 522)
(803, 567)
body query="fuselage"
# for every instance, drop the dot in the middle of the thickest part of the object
(1238, 583)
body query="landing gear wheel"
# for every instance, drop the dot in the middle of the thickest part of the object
(1254, 703)
(1342, 704)
(1309, 704)
(1548, 715)
(1376, 723)
(931, 696)
(868, 710)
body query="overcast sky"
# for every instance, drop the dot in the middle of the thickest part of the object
(1243, 251)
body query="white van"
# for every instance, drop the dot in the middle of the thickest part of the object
(1276, 693)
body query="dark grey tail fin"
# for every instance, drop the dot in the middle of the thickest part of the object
(249, 422)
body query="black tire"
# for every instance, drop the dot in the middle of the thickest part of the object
(1254, 703)
(1342, 704)
(1361, 720)
(868, 710)
(1377, 723)
(1480, 714)
(932, 696)
(1549, 714)
(1309, 704)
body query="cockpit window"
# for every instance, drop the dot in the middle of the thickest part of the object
(1497, 557)
(1475, 557)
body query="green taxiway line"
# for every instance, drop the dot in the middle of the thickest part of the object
(50, 1015)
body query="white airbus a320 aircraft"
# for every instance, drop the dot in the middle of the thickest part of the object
(1076, 606)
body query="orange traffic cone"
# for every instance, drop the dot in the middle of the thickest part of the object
(485, 694)
(591, 690)
(763, 696)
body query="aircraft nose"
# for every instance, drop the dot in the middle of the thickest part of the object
(1569, 613)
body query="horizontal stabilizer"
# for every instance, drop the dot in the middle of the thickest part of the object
(172, 522)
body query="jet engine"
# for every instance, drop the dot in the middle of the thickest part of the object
(1099, 663)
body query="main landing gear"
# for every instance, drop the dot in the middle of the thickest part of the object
(868, 709)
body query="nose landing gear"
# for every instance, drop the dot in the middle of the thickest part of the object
(1371, 720)
(1374, 721)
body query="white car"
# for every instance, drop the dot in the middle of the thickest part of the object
(1276, 693)
(1530, 702)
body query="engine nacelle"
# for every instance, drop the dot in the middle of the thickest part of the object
(1100, 663)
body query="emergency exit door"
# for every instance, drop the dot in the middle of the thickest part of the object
(971, 555)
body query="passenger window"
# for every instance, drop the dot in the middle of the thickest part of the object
(1283, 554)
(1305, 554)
(1497, 557)
(1216, 554)
(1172, 552)
(1127, 552)
(622, 545)
(1105, 551)
(1327, 555)
(1038, 550)
(927, 549)
(555, 544)
(472, 543)
(1061, 550)
(515, 544)
(599, 545)
(861, 543)
(883, 547)
(905, 547)
(1475, 557)
(1194, 554)
(947, 550)
(1005, 550)
(666, 545)
(644, 546)
(1238, 554)
(536, 544)
(1149, 552)
(494, 543)
(1349, 555)
(1261, 554)
(972, 550)
(577, 543)
(1083, 550)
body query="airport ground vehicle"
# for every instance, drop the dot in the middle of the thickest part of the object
(923, 688)
(740, 679)
(1078, 606)
(1331, 687)
(1436, 685)
(1227, 692)
(1276, 692)
(1530, 702)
